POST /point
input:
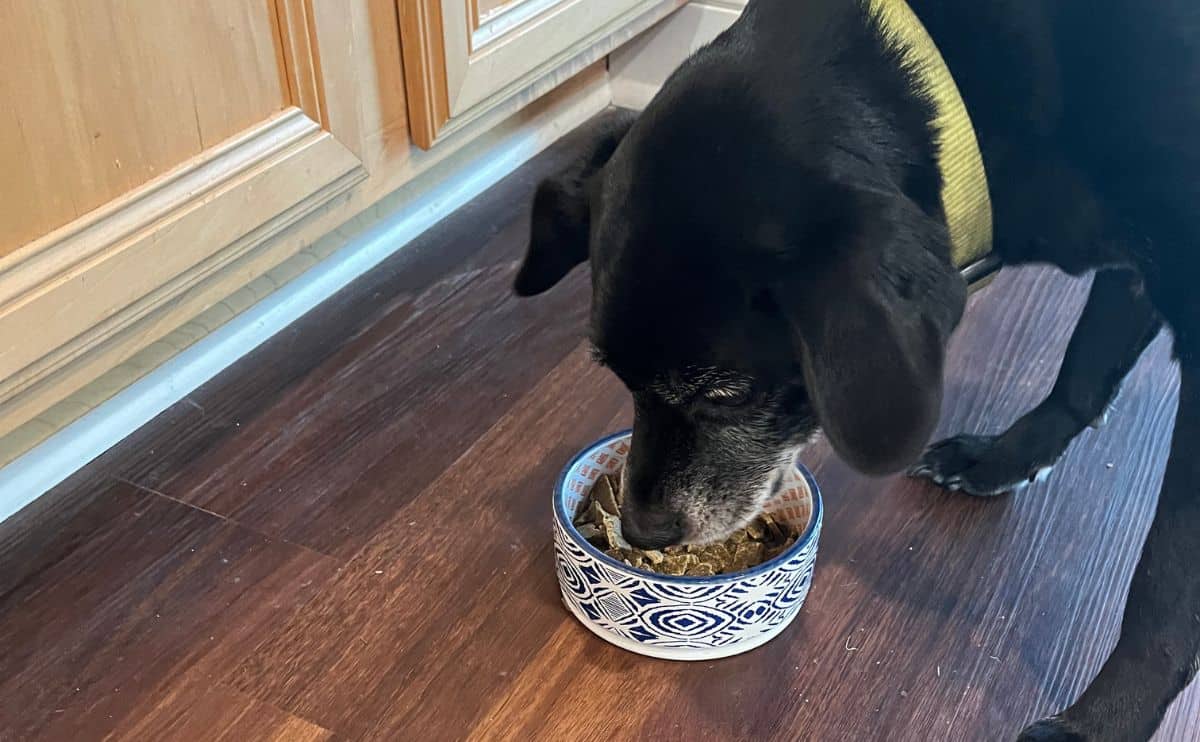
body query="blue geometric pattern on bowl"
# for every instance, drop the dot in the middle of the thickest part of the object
(680, 617)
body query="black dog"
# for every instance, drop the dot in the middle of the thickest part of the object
(771, 255)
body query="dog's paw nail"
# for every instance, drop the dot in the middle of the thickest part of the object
(1101, 420)
(1040, 474)
(920, 470)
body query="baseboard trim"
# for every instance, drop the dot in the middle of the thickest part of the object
(414, 209)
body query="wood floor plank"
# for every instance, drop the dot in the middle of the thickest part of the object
(197, 709)
(1183, 719)
(468, 329)
(100, 635)
(66, 520)
(469, 546)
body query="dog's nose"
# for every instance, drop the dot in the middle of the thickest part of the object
(651, 527)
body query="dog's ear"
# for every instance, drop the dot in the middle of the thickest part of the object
(871, 324)
(561, 221)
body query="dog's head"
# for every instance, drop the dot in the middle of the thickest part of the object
(747, 298)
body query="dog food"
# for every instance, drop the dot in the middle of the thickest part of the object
(599, 521)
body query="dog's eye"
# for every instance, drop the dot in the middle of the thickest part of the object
(727, 396)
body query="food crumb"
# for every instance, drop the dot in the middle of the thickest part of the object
(599, 522)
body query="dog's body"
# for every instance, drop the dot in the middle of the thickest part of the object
(770, 256)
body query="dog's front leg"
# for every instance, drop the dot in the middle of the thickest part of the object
(1117, 324)
(1159, 646)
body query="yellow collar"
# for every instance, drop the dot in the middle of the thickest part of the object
(965, 198)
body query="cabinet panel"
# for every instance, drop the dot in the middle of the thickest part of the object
(104, 95)
(153, 146)
(463, 57)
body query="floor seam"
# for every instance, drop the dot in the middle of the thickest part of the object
(340, 561)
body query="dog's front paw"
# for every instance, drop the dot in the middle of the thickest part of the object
(1051, 730)
(979, 465)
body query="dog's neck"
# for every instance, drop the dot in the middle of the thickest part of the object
(965, 199)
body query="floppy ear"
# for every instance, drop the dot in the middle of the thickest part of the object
(561, 225)
(871, 328)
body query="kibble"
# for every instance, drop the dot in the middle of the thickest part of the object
(599, 522)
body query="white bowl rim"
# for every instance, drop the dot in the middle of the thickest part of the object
(561, 515)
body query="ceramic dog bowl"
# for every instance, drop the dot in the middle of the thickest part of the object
(680, 618)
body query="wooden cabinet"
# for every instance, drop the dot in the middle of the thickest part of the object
(158, 157)
(464, 56)
(147, 146)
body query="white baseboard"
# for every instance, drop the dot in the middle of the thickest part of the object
(638, 69)
(392, 224)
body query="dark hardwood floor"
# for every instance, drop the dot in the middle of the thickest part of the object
(347, 535)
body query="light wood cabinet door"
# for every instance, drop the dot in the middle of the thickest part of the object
(148, 149)
(463, 57)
